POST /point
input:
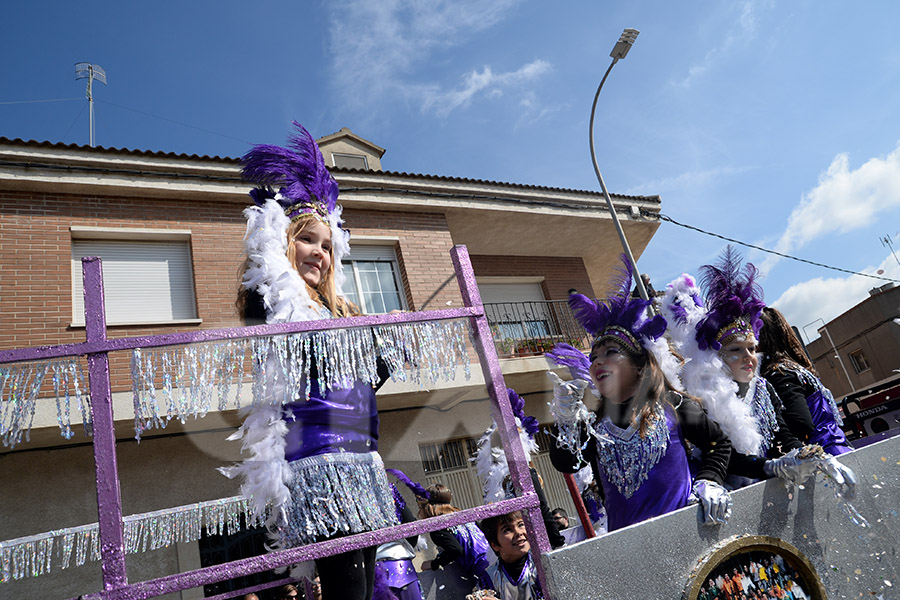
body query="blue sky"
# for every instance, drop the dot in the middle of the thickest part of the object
(775, 123)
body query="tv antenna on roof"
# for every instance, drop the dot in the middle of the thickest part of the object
(887, 241)
(84, 70)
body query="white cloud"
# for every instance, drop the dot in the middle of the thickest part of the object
(379, 49)
(744, 28)
(827, 298)
(843, 200)
(443, 103)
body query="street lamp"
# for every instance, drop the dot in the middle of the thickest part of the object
(834, 348)
(618, 52)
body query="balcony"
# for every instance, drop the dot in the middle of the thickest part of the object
(532, 328)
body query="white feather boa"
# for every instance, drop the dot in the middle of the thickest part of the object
(704, 374)
(491, 463)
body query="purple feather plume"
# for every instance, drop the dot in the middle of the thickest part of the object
(732, 292)
(564, 355)
(298, 172)
(618, 309)
(416, 488)
(529, 424)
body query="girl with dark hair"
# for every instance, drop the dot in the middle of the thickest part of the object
(463, 545)
(718, 335)
(810, 411)
(635, 442)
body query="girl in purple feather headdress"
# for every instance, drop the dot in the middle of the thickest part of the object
(313, 466)
(810, 411)
(635, 441)
(718, 336)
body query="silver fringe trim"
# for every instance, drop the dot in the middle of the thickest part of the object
(763, 412)
(178, 382)
(21, 385)
(340, 493)
(811, 380)
(31, 556)
(625, 456)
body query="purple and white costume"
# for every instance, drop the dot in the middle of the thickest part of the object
(810, 411)
(311, 435)
(466, 547)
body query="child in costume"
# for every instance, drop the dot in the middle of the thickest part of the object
(313, 456)
(717, 337)
(493, 467)
(513, 576)
(463, 546)
(810, 411)
(635, 441)
(395, 559)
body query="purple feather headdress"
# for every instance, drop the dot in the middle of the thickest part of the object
(620, 317)
(416, 488)
(529, 424)
(304, 184)
(734, 301)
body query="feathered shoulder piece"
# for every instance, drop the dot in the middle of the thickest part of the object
(490, 461)
(734, 301)
(298, 172)
(619, 317)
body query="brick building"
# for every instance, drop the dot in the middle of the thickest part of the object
(867, 340)
(169, 229)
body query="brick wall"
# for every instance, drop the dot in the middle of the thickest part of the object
(560, 273)
(35, 260)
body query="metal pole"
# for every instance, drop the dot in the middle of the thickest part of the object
(609, 203)
(837, 354)
(91, 103)
(840, 360)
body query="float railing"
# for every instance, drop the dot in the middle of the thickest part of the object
(97, 347)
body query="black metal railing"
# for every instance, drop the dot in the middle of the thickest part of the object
(532, 328)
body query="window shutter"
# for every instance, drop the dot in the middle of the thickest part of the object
(143, 281)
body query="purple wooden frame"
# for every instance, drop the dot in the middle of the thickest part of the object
(109, 504)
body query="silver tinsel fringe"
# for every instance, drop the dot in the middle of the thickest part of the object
(31, 556)
(339, 494)
(183, 381)
(21, 385)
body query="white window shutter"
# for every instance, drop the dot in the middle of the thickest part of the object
(143, 281)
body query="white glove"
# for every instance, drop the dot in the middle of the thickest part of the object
(844, 478)
(791, 468)
(567, 406)
(715, 500)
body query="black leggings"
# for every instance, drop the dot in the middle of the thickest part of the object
(350, 575)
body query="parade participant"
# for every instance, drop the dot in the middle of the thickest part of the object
(493, 468)
(635, 441)
(514, 575)
(394, 559)
(717, 336)
(313, 456)
(810, 411)
(463, 545)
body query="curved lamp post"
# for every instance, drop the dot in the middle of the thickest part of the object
(618, 52)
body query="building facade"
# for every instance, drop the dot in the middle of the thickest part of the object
(861, 347)
(169, 230)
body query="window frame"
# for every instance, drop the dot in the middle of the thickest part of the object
(351, 270)
(855, 356)
(334, 156)
(129, 234)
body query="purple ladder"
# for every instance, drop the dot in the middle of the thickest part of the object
(109, 504)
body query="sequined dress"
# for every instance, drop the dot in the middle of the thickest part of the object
(644, 477)
(337, 478)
